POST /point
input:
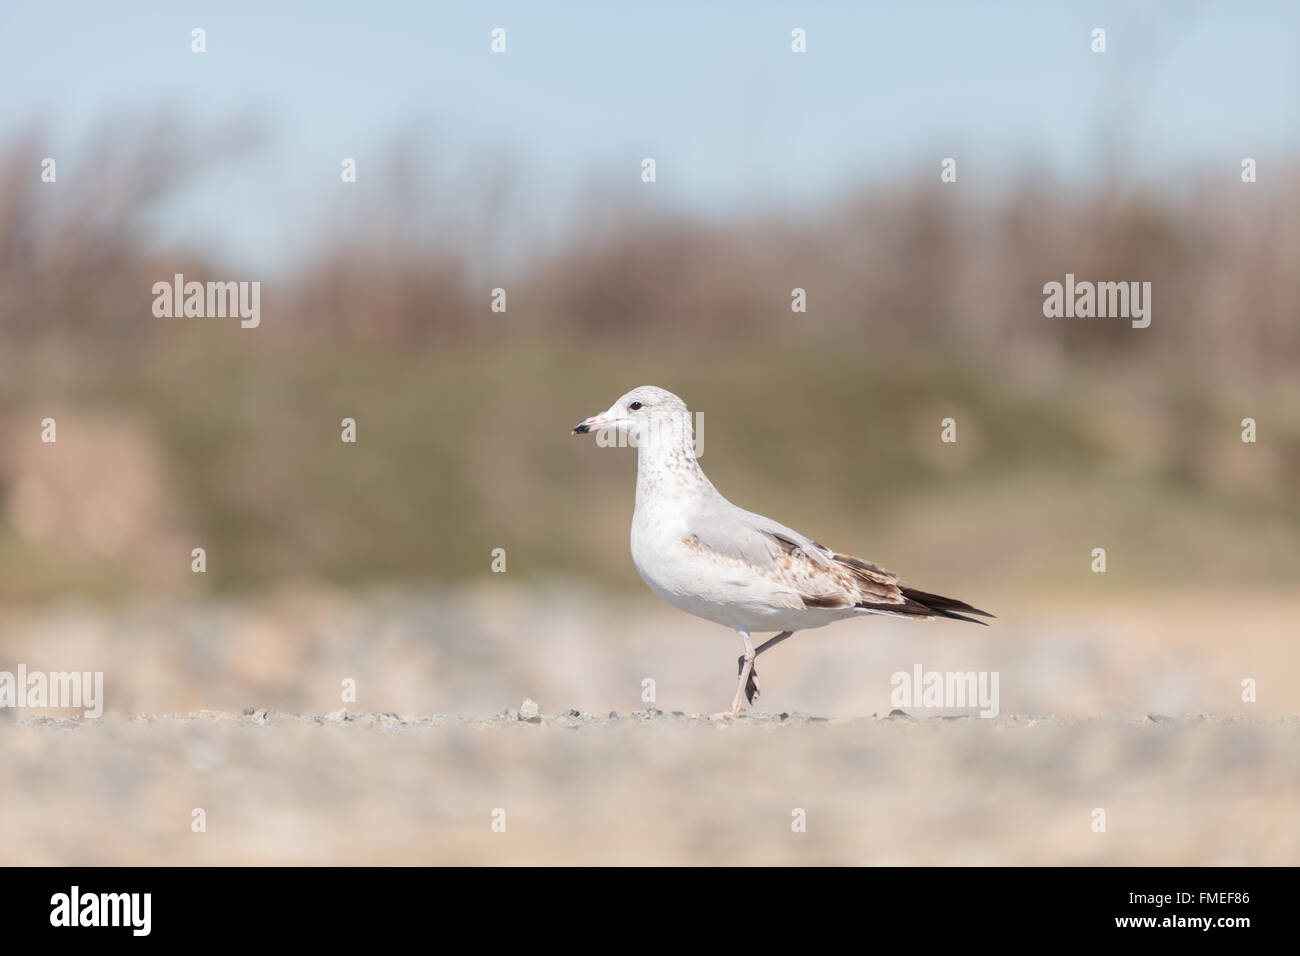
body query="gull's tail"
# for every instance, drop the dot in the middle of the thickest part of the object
(944, 606)
(922, 604)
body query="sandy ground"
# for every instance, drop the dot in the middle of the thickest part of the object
(1114, 678)
(648, 787)
(477, 650)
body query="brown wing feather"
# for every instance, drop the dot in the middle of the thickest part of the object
(881, 592)
(823, 579)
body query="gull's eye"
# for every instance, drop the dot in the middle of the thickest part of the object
(634, 406)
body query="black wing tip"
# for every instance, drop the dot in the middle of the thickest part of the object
(946, 607)
(962, 617)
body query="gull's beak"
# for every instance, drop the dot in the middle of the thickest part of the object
(592, 424)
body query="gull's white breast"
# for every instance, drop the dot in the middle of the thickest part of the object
(699, 583)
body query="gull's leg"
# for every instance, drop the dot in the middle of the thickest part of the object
(747, 665)
(752, 687)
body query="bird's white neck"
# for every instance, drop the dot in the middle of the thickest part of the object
(667, 467)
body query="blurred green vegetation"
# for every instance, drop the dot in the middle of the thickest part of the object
(1072, 435)
(464, 450)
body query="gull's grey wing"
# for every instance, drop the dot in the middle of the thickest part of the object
(818, 576)
(813, 575)
(752, 538)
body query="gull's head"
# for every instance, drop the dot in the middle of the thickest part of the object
(640, 414)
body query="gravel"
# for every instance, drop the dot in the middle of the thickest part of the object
(650, 786)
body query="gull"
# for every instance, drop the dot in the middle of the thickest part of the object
(703, 555)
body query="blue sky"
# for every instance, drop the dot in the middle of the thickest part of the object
(734, 120)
